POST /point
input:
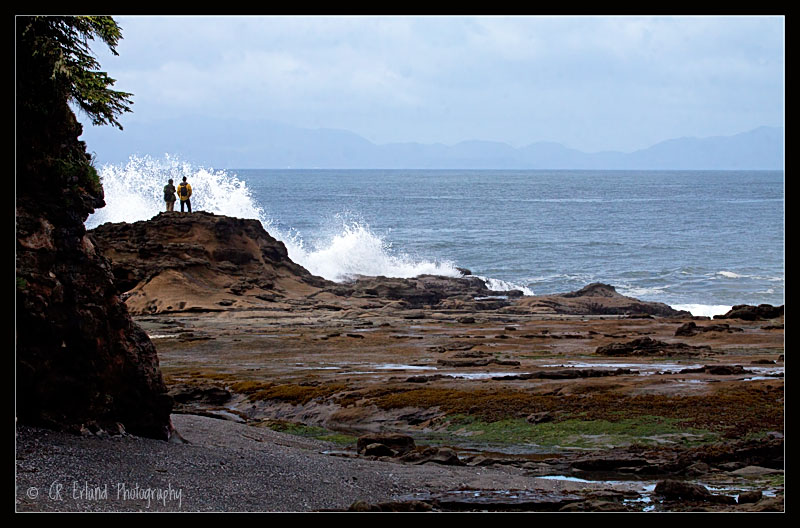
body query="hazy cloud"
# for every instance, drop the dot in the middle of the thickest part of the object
(592, 83)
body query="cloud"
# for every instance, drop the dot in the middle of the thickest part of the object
(585, 81)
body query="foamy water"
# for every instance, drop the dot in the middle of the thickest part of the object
(704, 310)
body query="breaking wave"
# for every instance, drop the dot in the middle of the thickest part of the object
(351, 248)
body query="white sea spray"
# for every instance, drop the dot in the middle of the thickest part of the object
(134, 191)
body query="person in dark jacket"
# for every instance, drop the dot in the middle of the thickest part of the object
(169, 195)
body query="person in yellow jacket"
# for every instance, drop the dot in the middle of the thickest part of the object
(184, 192)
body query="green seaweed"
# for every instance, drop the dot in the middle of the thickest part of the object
(308, 431)
(576, 433)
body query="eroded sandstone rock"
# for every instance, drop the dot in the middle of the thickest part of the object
(200, 261)
(647, 346)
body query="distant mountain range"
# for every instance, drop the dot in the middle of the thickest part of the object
(226, 144)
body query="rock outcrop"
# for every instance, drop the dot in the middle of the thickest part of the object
(200, 261)
(595, 299)
(426, 290)
(690, 329)
(81, 360)
(646, 346)
(747, 312)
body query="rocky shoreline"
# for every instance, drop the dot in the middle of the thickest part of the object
(424, 394)
(230, 467)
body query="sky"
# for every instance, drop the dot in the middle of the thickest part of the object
(590, 83)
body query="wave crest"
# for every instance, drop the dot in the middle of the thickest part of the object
(352, 248)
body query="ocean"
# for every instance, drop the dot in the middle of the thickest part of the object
(702, 241)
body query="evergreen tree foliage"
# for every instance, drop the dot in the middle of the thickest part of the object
(59, 46)
(55, 67)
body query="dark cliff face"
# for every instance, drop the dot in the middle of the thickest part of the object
(80, 359)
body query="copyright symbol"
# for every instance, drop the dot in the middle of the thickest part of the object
(33, 492)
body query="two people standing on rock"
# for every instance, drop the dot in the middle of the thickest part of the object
(184, 191)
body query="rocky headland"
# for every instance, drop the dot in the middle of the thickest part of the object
(459, 397)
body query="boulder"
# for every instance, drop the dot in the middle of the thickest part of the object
(677, 490)
(674, 489)
(691, 329)
(748, 312)
(399, 443)
(750, 497)
(379, 450)
(446, 457)
(646, 346)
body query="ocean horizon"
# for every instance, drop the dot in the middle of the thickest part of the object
(700, 241)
